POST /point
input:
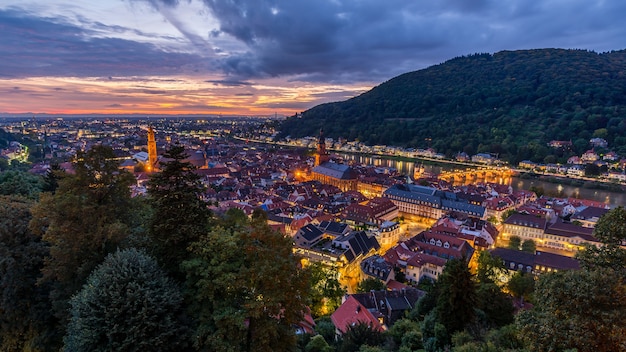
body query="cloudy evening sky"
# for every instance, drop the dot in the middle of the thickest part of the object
(258, 57)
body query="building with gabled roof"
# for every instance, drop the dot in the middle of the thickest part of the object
(352, 312)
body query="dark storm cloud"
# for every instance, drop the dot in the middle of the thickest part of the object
(229, 83)
(32, 46)
(369, 40)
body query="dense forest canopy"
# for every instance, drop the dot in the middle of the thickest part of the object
(511, 103)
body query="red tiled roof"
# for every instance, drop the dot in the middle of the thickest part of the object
(352, 312)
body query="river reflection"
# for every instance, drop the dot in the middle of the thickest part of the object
(408, 168)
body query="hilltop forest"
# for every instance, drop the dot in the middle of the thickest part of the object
(511, 103)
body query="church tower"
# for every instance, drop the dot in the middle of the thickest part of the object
(322, 155)
(152, 150)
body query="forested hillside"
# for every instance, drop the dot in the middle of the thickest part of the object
(511, 103)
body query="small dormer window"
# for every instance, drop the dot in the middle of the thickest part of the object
(446, 245)
(438, 243)
(432, 241)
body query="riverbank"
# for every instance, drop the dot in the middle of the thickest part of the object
(576, 182)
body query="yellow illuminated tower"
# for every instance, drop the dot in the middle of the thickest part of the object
(152, 150)
(322, 155)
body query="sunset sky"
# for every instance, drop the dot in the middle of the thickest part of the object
(257, 57)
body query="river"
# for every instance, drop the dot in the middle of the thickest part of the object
(408, 167)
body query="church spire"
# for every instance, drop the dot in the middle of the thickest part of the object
(322, 155)
(152, 150)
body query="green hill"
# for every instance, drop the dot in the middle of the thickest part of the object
(511, 103)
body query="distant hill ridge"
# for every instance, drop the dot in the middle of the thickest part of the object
(511, 103)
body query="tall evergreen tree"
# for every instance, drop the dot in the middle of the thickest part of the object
(180, 215)
(83, 221)
(127, 304)
(457, 296)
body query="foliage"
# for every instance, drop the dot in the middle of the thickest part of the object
(245, 288)
(577, 309)
(515, 243)
(489, 268)
(370, 284)
(521, 285)
(401, 328)
(495, 304)
(25, 315)
(87, 218)
(511, 103)
(318, 344)
(127, 304)
(325, 291)
(358, 335)
(507, 213)
(180, 215)
(611, 231)
(325, 327)
(13, 182)
(457, 296)
(529, 246)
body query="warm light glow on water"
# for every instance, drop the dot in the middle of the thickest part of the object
(407, 168)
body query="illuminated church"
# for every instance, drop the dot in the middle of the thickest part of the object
(340, 175)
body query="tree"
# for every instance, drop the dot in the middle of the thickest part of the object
(611, 231)
(317, 344)
(529, 246)
(521, 285)
(506, 214)
(51, 178)
(127, 304)
(22, 183)
(489, 268)
(580, 309)
(515, 242)
(25, 316)
(358, 335)
(370, 284)
(83, 221)
(495, 304)
(246, 289)
(325, 292)
(457, 296)
(180, 216)
(403, 328)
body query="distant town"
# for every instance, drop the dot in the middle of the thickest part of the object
(365, 222)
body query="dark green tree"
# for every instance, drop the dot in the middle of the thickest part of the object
(246, 289)
(83, 221)
(21, 183)
(180, 216)
(580, 309)
(52, 177)
(318, 344)
(127, 304)
(611, 231)
(495, 304)
(25, 314)
(521, 285)
(402, 328)
(457, 296)
(529, 246)
(370, 284)
(489, 268)
(515, 243)
(325, 289)
(358, 335)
